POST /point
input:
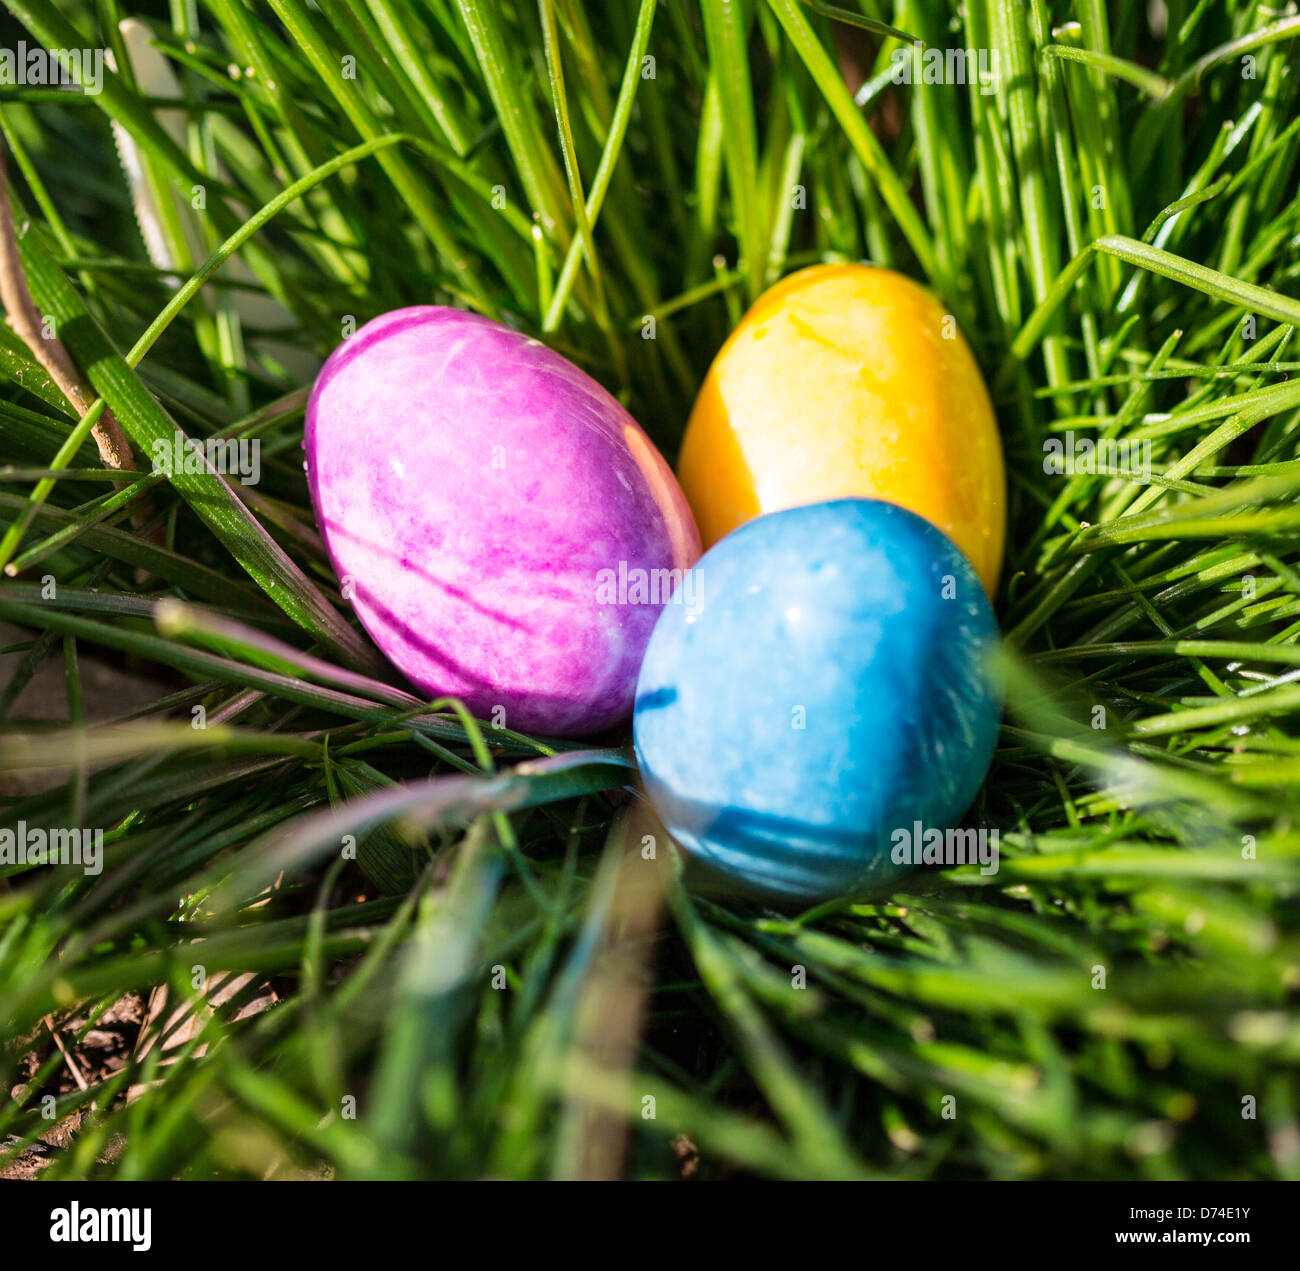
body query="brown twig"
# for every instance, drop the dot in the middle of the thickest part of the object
(25, 319)
(67, 1057)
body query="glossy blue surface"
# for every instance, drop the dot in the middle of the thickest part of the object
(825, 682)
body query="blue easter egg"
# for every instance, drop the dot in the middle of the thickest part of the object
(823, 679)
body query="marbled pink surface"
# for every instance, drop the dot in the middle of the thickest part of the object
(471, 484)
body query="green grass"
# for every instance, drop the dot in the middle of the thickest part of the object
(498, 984)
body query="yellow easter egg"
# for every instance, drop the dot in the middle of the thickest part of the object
(848, 381)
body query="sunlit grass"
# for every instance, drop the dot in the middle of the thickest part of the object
(1113, 221)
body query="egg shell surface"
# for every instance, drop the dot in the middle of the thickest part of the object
(848, 381)
(831, 683)
(481, 497)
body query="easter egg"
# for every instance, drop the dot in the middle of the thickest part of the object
(826, 682)
(848, 381)
(504, 529)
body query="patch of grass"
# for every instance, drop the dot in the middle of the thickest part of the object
(494, 982)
